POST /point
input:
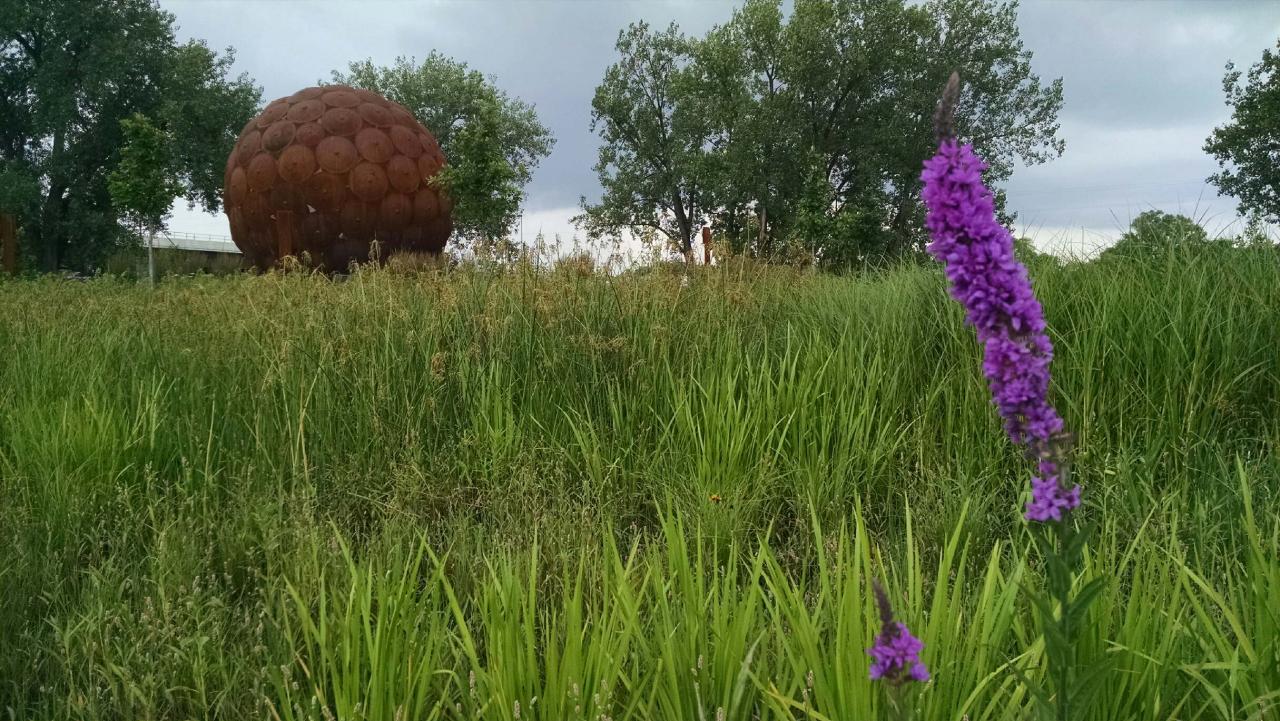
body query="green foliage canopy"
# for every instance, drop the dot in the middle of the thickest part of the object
(70, 72)
(653, 161)
(811, 126)
(143, 187)
(1153, 233)
(1248, 146)
(492, 141)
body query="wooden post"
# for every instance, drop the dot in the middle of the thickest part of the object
(284, 234)
(8, 244)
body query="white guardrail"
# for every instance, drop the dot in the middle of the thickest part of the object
(204, 242)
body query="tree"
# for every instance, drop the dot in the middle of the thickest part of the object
(70, 71)
(753, 164)
(492, 141)
(811, 128)
(652, 161)
(485, 187)
(1153, 233)
(144, 185)
(1248, 146)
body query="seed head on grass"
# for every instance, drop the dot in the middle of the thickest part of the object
(896, 653)
(992, 285)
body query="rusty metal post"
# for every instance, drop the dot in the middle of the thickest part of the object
(284, 234)
(8, 244)
(706, 245)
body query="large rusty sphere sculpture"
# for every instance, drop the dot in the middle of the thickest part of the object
(328, 171)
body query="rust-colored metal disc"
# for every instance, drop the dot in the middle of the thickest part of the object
(256, 211)
(287, 197)
(357, 217)
(272, 113)
(401, 116)
(236, 220)
(369, 182)
(428, 166)
(248, 147)
(368, 96)
(406, 141)
(305, 94)
(278, 135)
(297, 164)
(336, 154)
(341, 121)
(340, 99)
(426, 206)
(374, 114)
(396, 211)
(429, 144)
(326, 191)
(237, 187)
(403, 174)
(374, 145)
(262, 172)
(310, 134)
(305, 111)
(330, 171)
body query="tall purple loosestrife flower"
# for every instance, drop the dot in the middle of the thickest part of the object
(993, 287)
(896, 653)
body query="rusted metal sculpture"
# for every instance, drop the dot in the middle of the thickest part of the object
(328, 171)
(8, 244)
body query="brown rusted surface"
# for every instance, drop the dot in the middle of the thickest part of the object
(328, 171)
(285, 230)
(8, 244)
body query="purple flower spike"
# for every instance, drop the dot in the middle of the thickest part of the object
(993, 287)
(896, 653)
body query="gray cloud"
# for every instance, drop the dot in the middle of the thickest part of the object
(1142, 82)
(1142, 89)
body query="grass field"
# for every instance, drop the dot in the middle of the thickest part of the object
(550, 495)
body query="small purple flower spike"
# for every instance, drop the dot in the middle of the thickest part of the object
(993, 287)
(896, 653)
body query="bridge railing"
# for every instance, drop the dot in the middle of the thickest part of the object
(205, 242)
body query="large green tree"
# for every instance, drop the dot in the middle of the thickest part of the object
(1154, 233)
(812, 126)
(1248, 146)
(493, 142)
(70, 71)
(653, 163)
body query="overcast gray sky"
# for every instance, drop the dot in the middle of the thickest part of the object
(1142, 87)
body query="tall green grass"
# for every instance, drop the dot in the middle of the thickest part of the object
(646, 496)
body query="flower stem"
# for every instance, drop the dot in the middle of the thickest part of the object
(1062, 593)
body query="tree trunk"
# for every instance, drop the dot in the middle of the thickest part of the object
(898, 231)
(686, 229)
(51, 233)
(8, 244)
(762, 233)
